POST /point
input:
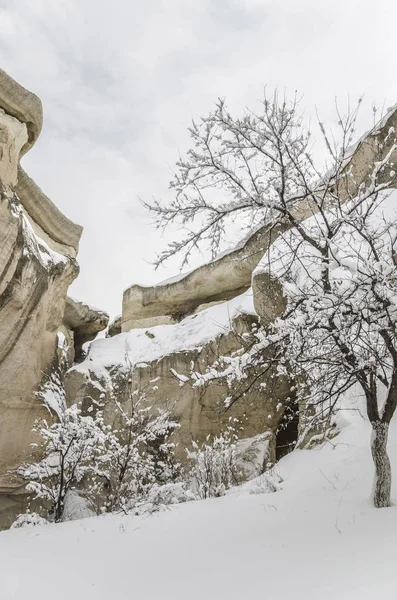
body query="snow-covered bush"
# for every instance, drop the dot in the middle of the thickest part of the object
(213, 465)
(88, 465)
(160, 496)
(267, 483)
(136, 456)
(28, 519)
(77, 506)
(68, 448)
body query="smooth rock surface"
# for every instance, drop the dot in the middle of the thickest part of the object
(84, 321)
(26, 107)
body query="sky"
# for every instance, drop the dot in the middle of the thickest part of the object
(120, 82)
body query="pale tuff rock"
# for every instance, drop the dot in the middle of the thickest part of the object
(26, 107)
(158, 362)
(220, 280)
(38, 245)
(114, 327)
(84, 321)
(13, 136)
(230, 274)
(33, 286)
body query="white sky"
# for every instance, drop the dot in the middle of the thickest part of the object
(121, 80)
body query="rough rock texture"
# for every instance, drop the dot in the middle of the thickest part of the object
(114, 367)
(84, 321)
(372, 148)
(33, 286)
(13, 136)
(38, 245)
(114, 327)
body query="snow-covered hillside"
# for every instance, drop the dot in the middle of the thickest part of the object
(316, 538)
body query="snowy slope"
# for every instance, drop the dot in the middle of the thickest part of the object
(317, 538)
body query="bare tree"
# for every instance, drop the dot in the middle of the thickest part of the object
(334, 263)
(256, 170)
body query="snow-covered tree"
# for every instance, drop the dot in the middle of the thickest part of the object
(68, 448)
(113, 468)
(334, 264)
(137, 456)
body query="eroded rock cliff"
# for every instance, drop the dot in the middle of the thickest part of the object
(38, 247)
(158, 361)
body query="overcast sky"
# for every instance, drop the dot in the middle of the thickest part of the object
(120, 81)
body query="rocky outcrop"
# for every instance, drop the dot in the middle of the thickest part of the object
(158, 361)
(38, 246)
(26, 108)
(33, 286)
(85, 322)
(222, 279)
(114, 327)
(230, 274)
(179, 310)
(369, 153)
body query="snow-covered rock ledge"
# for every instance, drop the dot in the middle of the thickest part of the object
(158, 361)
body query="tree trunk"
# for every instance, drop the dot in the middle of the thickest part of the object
(382, 487)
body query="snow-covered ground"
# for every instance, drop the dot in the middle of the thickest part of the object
(316, 538)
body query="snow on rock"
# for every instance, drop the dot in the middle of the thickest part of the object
(225, 277)
(39, 248)
(232, 249)
(52, 393)
(141, 346)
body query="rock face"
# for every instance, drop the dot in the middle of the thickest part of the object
(179, 310)
(157, 361)
(38, 246)
(224, 278)
(49, 223)
(229, 275)
(34, 283)
(85, 322)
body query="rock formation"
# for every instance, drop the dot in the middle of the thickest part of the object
(158, 360)
(38, 247)
(163, 332)
(49, 223)
(84, 321)
(226, 277)
(172, 309)
(229, 275)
